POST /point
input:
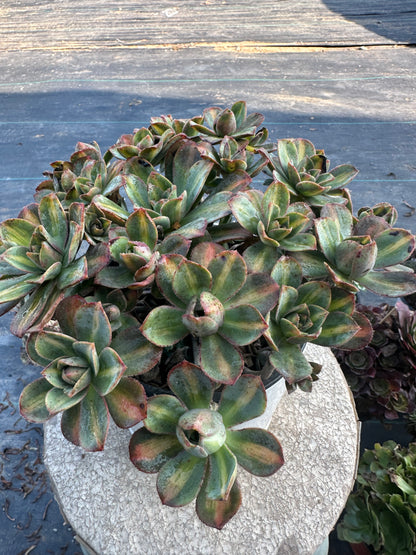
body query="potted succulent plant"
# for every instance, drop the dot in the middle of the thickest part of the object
(381, 511)
(161, 264)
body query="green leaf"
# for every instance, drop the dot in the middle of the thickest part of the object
(276, 196)
(149, 452)
(244, 400)
(163, 413)
(12, 289)
(86, 424)
(355, 259)
(329, 236)
(57, 400)
(97, 257)
(191, 385)
(32, 401)
(85, 321)
(216, 513)
(287, 271)
(242, 325)
(75, 237)
(185, 157)
(37, 309)
(53, 218)
(111, 210)
(342, 215)
(163, 326)
(116, 277)
(205, 252)
(222, 472)
(245, 212)
(111, 370)
(315, 293)
(299, 242)
(342, 176)
(220, 360)
(140, 227)
(211, 209)
(17, 257)
(239, 109)
(51, 345)
(127, 403)
(393, 247)
(259, 291)
(260, 257)
(137, 353)
(257, 450)
(337, 329)
(174, 209)
(16, 232)
(190, 280)
(228, 271)
(180, 479)
(290, 362)
(312, 264)
(389, 283)
(195, 181)
(72, 274)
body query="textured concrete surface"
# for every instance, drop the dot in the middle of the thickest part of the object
(116, 510)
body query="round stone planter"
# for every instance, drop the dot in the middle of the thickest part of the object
(115, 509)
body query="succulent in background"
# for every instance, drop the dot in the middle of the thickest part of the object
(381, 375)
(407, 330)
(190, 442)
(382, 510)
(84, 377)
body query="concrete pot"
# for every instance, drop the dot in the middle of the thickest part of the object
(115, 509)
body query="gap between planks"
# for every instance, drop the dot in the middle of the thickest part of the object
(245, 47)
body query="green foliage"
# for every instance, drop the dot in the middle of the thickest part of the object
(190, 443)
(174, 255)
(381, 511)
(83, 377)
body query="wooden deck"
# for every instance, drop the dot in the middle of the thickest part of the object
(69, 25)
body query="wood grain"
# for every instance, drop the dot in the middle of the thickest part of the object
(76, 24)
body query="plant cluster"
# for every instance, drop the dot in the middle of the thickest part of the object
(382, 510)
(382, 375)
(159, 254)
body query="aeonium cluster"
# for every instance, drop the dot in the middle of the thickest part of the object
(159, 264)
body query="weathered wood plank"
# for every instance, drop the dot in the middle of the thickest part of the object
(74, 24)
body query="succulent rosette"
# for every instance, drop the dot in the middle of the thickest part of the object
(190, 442)
(83, 177)
(310, 312)
(40, 260)
(231, 122)
(364, 253)
(177, 205)
(305, 171)
(274, 221)
(214, 299)
(84, 377)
